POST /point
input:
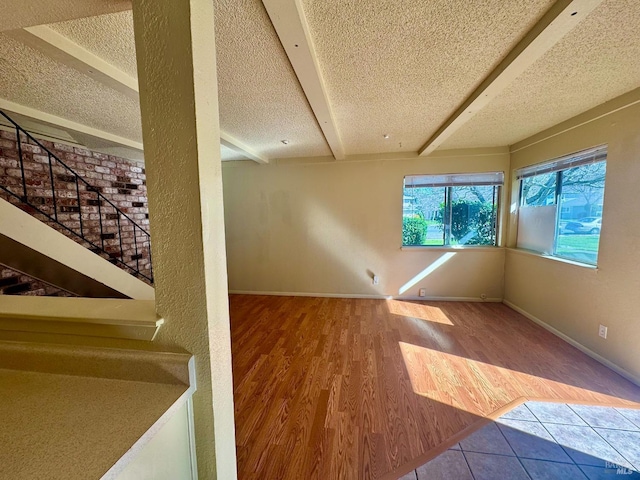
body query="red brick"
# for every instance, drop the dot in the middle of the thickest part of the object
(36, 167)
(41, 159)
(72, 156)
(108, 163)
(9, 153)
(8, 162)
(83, 151)
(63, 147)
(27, 147)
(9, 135)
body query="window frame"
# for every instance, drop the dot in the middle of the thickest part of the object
(457, 180)
(559, 166)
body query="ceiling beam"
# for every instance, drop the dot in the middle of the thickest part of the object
(63, 50)
(287, 17)
(561, 18)
(60, 48)
(237, 146)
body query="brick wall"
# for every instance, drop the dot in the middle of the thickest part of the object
(13, 282)
(121, 181)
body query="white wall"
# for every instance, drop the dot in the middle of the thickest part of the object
(575, 299)
(167, 456)
(324, 228)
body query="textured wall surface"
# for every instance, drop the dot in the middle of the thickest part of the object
(175, 44)
(326, 228)
(121, 181)
(574, 299)
(166, 456)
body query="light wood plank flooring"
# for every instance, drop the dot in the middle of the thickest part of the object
(345, 389)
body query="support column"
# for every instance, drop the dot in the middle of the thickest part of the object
(175, 46)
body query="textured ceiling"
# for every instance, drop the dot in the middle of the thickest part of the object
(108, 36)
(33, 80)
(402, 67)
(597, 61)
(27, 13)
(396, 67)
(261, 101)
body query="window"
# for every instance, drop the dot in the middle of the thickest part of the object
(561, 206)
(458, 209)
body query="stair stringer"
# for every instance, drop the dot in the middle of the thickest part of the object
(34, 248)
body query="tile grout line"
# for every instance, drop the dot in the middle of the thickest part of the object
(606, 428)
(544, 426)
(637, 425)
(467, 462)
(604, 439)
(558, 443)
(554, 439)
(512, 449)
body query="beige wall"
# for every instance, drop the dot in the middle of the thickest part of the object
(322, 228)
(574, 299)
(167, 456)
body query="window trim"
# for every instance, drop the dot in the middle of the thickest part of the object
(558, 165)
(494, 178)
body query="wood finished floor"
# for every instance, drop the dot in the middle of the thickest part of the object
(345, 389)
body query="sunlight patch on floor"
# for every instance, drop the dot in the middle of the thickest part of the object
(418, 311)
(449, 379)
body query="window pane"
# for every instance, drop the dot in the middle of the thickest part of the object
(473, 215)
(539, 190)
(580, 206)
(441, 215)
(422, 216)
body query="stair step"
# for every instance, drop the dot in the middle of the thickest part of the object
(18, 288)
(5, 282)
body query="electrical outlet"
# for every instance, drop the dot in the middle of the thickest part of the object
(376, 279)
(602, 331)
(422, 292)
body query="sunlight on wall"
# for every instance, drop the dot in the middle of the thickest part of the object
(418, 311)
(427, 271)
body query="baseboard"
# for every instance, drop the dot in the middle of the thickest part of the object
(360, 295)
(619, 370)
(308, 294)
(449, 299)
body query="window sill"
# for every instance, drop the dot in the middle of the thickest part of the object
(531, 253)
(441, 248)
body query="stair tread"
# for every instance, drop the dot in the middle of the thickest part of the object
(5, 282)
(17, 288)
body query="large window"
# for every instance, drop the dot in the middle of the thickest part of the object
(458, 209)
(561, 206)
